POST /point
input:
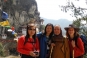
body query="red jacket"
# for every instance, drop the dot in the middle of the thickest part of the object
(25, 49)
(78, 51)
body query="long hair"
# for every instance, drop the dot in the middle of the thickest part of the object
(27, 34)
(51, 34)
(76, 36)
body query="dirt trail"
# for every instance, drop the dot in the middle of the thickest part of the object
(11, 56)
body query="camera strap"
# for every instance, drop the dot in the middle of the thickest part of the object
(33, 43)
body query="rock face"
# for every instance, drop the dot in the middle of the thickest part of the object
(21, 12)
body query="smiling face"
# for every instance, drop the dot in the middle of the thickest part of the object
(71, 32)
(31, 31)
(57, 30)
(48, 30)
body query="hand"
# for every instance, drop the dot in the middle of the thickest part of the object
(32, 54)
(37, 53)
(73, 43)
(52, 44)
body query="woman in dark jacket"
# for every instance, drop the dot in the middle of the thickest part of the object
(44, 40)
(75, 43)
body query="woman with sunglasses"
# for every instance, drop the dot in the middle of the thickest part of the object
(44, 40)
(28, 46)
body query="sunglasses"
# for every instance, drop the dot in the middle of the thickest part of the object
(31, 29)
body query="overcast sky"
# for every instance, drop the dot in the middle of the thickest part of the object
(50, 9)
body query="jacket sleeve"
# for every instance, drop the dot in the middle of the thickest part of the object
(79, 49)
(20, 46)
(39, 35)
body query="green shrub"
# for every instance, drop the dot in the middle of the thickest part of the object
(1, 50)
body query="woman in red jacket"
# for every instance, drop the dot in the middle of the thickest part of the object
(75, 43)
(28, 46)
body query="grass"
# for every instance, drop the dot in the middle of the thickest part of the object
(11, 56)
(85, 56)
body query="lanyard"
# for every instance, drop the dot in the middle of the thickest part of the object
(33, 43)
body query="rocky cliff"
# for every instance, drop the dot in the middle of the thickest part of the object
(21, 12)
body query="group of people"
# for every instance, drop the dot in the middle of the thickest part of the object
(51, 43)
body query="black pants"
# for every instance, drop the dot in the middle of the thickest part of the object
(26, 56)
(48, 54)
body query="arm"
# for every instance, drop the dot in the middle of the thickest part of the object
(39, 34)
(79, 51)
(20, 46)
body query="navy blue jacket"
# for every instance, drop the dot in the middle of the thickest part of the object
(43, 45)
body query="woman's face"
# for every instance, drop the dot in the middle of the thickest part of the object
(48, 30)
(71, 31)
(56, 30)
(31, 31)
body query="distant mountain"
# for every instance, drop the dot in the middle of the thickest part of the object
(62, 22)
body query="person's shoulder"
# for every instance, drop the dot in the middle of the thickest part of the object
(65, 38)
(39, 34)
(79, 39)
(22, 37)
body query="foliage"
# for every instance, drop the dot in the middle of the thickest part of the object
(79, 13)
(42, 27)
(1, 50)
(83, 27)
(8, 47)
(75, 11)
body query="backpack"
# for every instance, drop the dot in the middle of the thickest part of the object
(83, 38)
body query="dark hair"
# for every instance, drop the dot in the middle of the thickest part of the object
(51, 34)
(27, 34)
(76, 36)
